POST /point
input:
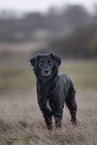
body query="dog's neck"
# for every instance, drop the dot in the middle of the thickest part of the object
(46, 85)
(48, 79)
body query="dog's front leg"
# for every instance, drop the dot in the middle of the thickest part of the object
(48, 120)
(58, 118)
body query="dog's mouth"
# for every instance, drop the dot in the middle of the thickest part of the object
(46, 75)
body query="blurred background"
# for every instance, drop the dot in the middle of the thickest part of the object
(31, 27)
(27, 28)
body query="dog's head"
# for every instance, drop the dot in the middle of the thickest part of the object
(45, 64)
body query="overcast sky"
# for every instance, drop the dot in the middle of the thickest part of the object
(42, 5)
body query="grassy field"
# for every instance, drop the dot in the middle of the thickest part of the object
(21, 122)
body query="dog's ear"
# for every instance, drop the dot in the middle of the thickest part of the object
(34, 61)
(57, 59)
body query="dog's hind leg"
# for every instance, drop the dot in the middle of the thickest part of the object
(72, 106)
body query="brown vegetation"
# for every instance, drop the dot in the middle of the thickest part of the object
(22, 123)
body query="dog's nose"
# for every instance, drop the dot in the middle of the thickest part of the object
(46, 70)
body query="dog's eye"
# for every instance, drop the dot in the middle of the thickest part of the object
(41, 63)
(49, 62)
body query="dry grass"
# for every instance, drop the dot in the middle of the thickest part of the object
(21, 122)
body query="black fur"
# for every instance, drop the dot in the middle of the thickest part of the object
(53, 89)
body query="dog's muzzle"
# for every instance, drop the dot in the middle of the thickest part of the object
(46, 72)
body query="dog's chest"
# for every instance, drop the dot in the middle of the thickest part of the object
(46, 95)
(46, 90)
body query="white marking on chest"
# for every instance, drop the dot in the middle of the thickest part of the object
(48, 105)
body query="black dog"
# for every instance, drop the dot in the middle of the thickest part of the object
(53, 89)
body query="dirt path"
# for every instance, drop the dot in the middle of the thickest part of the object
(19, 47)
